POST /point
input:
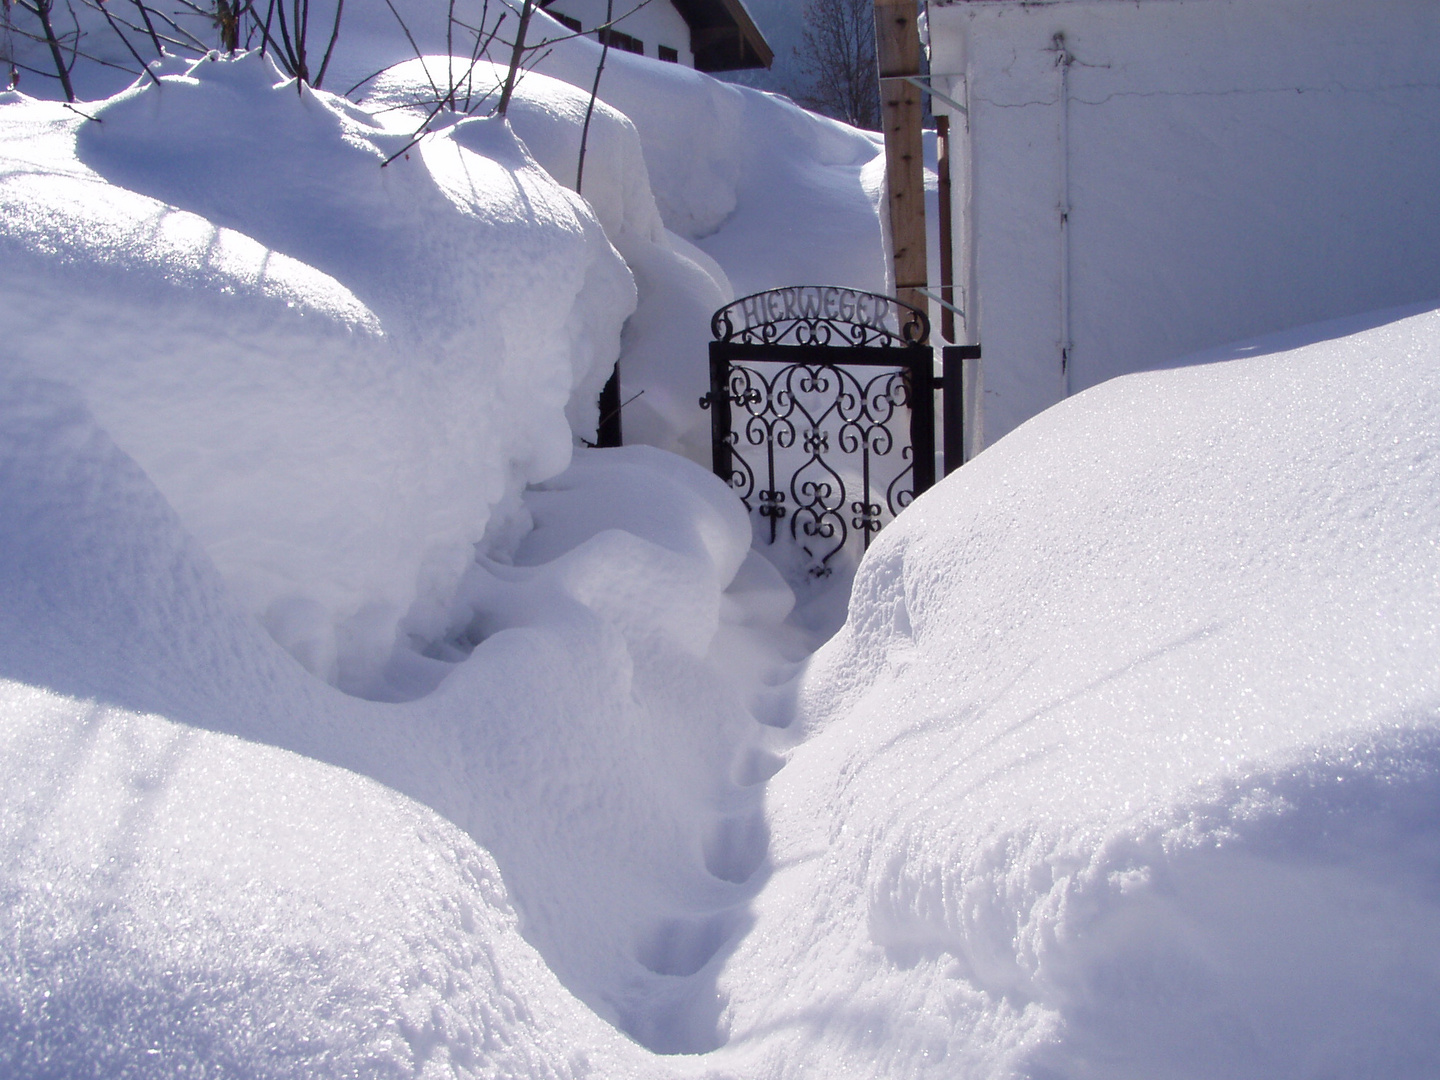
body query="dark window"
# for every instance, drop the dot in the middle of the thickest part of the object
(564, 20)
(619, 40)
(667, 53)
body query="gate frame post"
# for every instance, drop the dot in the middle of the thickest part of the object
(920, 389)
(952, 381)
(718, 402)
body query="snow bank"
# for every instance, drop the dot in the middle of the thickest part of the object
(709, 191)
(336, 373)
(177, 899)
(201, 869)
(1127, 762)
(773, 195)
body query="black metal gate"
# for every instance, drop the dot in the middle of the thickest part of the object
(796, 403)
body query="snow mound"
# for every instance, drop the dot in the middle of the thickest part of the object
(663, 345)
(178, 899)
(1127, 761)
(201, 859)
(549, 116)
(753, 192)
(338, 374)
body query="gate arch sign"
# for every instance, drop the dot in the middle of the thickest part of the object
(807, 430)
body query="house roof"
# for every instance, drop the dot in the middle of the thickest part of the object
(723, 36)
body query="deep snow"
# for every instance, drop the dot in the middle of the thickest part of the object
(199, 861)
(243, 318)
(247, 326)
(1124, 764)
(1127, 762)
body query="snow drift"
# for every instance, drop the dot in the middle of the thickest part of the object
(214, 860)
(708, 190)
(179, 899)
(1127, 762)
(336, 373)
(341, 376)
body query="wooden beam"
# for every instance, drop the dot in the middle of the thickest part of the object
(897, 48)
(727, 26)
(707, 36)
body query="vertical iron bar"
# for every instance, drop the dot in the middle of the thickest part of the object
(720, 414)
(920, 377)
(776, 495)
(865, 495)
(953, 359)
(952, 407)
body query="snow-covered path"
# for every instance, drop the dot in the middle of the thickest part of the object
(581, 703)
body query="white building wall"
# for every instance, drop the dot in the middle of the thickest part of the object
(1233, 167)
(655, 24)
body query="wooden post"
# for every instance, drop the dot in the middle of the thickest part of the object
(897, 47)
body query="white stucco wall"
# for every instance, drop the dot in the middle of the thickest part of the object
(655, 24)
(1234, 167)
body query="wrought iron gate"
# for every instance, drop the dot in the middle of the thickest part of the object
(795, 403)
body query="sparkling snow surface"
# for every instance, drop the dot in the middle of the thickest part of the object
(200, 867)
(336, 373)
(1125, 764)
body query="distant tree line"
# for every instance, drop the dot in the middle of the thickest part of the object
(836, 56)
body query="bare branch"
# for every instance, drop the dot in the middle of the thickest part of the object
(42, 12)
(192, 41)
(420, 133)
(329, 49)
(149, 26)
(265, 41)
(594, 93)
(39, 39)
(517, 54)
(121, 35)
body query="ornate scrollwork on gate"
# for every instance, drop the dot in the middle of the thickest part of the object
(813, 390)
(825, 413)
(824, 315)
